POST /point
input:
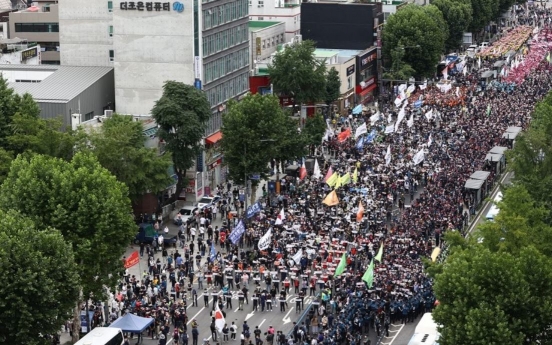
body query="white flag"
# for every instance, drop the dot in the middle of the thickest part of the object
(388, 155)
(280, 218)
(219, 319)
(374, 118)
(264, 242)
(389, 118)
(418, 157)
(410, 89)
(390, 129)
(429, 115)
(410, 121)
(297, 257)
(479, 63)
(457, 91)
(401, 116)
(430, 141)
(316, 173)
(362, 129)
(423, 86)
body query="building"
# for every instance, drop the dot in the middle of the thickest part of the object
(366, 75)
(17, 51)
(205, 43)
(341, 25)
(265, 38)
(64, 90)
(38, 24)
(345, 62)
(391, 7)
(287, 11)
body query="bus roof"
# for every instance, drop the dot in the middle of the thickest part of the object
(99, 336)
(426, 325)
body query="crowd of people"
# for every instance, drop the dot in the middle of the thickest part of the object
(408, 204)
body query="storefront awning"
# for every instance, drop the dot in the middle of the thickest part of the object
(368, 90)
(213, 138)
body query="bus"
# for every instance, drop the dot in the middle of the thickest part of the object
(426, 332)
(493, 211)
(103, 336)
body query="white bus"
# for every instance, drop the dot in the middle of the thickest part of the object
(493, 211)
(426, 332)
(103, 336)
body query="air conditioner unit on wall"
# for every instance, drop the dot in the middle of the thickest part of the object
(108, 113)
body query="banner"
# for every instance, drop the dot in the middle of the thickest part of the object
(237, 232)
(132, 260)
(264, 242)
(362, 129)
(253, 209)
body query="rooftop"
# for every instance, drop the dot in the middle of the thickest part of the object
(256, 25)
(63, 84)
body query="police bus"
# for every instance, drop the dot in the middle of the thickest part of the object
(493, 211)
(426, 332)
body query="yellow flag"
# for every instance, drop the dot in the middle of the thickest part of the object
(345, 179)
(337, 183)
(355, 175)
(331, 199)
(333, 179)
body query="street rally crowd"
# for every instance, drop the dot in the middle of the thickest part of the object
(384, 201)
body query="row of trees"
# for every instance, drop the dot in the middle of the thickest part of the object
(496, 286)
(426, 32)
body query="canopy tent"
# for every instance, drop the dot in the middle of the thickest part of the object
(132, 323)
(498, 149)
(474, 184)
(494, 157)
(480, 175)
(357, 110)
(511, 133)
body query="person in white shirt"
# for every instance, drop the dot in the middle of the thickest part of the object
(193, 233)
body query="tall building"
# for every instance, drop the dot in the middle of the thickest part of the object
(205, 43)
(287, 11)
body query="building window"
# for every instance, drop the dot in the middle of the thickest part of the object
(260, 18)
(111, 31)
(111, 55)
(349, 82)
(36, 27)
(89, 116)
(261, 3)
(110, 6)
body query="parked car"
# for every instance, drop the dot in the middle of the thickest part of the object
(184, 215)
(207, 201)
(147, 234)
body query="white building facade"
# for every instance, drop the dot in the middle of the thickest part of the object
(287, 11)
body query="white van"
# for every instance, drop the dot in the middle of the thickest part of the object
(103, 336)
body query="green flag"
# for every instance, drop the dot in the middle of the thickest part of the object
(380, 253)
(488, 110)
(368, 276)
(341, 267)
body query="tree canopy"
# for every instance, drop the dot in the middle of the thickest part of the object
(333, 86)
(457, 15)
(254, 131)
(39, 289)
(314, 129)
(295, 72)
(182, 114)
(119, 147)
(422, 32)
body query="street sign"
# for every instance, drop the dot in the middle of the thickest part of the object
(255, 177)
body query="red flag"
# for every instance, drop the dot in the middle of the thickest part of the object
(303, 171)
(360, 212)
(328, 174)
(132, 260)
(341, 137)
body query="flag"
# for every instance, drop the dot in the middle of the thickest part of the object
(237, 232)
(303, 171)
(429, 141)
(410, 121)
(429, 115)
(548, 57)
(479, 63)
(362, 129)
(389, 118)
(400, 117)
(423, 86)
(297, 257)
(457, 91)
(370, 137)
(388, 155)
(337, 182)
(465, 70)
(213, 254)
(390, 129)
(341, 137)
(219, 319)
(345, 179)
(488, 110)
(316, 173)
(360, 212)
(264, 242)
(380, 253)
(329, 174)
(418, 157)
(280, 218)
(341, 267)
(360, 143)
(331, 199)
(410, 89)
(374, 118)
(132, 260)
(333, 179)
(368, 276)
(355, 175)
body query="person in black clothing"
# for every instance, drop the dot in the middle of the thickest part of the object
(213, 329)
(206, 298)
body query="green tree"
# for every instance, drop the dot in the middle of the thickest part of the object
(295, 72)
(490, 297)
(39, 290)
(85, 203)
(119, 146)
(9, 105)
(254, 131)
(314, 129)
(457, 14)
(422, 32)
(333, 86)
(399, 69)
(483, 12)
(182, 114)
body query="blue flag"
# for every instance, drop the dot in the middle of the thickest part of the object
(253, 209)
(237, 232)
(370, 138)
(213, 255)
(360, 143)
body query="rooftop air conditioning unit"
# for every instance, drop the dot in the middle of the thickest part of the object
(108, 113)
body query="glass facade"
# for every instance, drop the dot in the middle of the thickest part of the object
(225, 13)
(225, 39)
(36, 27)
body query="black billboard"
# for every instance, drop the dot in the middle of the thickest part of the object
(339, 26)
